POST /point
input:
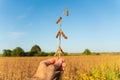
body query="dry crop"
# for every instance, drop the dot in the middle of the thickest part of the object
(103, 67)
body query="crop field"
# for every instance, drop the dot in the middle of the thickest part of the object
(93, 67)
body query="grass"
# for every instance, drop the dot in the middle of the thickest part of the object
(102, 67)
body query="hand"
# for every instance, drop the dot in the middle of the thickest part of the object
(50, 69)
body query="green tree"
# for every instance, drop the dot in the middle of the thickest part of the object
(51, 53)
(35, 49)
(6, 52)
(43, 54)
(87, 52)
(18, 52)
(28, 54)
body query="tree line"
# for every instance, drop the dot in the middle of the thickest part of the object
(35, 51)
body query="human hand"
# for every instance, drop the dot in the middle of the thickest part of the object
(50, 69)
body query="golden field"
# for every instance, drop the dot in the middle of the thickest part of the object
(93, 67)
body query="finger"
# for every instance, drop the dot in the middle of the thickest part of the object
(58, 64)
(52, 60)
(63, 66)
(49, 61)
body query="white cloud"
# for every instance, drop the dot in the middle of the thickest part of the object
(15, 35)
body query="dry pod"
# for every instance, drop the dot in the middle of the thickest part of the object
(67, 12)
(59, 20)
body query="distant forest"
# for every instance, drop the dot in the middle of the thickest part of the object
(36, 51)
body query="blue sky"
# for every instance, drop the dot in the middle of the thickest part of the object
(92, 24)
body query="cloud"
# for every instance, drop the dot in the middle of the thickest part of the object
(15, 35)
